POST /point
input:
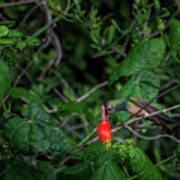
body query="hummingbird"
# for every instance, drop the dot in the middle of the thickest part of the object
(133, 105)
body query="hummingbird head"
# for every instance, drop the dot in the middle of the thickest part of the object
(110, 107)
(113, 106)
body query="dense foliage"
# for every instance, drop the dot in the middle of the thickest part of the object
(60, 60)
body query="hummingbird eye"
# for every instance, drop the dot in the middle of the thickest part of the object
(109, 109)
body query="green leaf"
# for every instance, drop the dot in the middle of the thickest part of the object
(147, 55)
(5, 79)
(121, 116)
(97, 154)
(59, 144)
(18, 170)
(37, 114)
(140, 164)
(77, 168)
(72, 107)
(18, 92)
(111, 33)
(108, 171)
(130, 88)
(21, 45)
(174, 35)
(17, 130)
(14, 173)
(38, 139)
(116, 25)
(146, 85)
(5, 41)
(12, 125)
(178, 151)
(32, 41)
(3, 30)
(149, 84)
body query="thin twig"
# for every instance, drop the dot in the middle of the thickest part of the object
(60, 95)
(97, 55)
(77, 126)
(105, 83)
(64, 82)
(168, 84)
(44, 28)
(58, 47)
(16, 3)
(67, 119)
(167, 91)
(118, 139)
(175, 115)
(29, 13)
(150, 138)
(128, 31)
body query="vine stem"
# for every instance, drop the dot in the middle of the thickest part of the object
(16, 3)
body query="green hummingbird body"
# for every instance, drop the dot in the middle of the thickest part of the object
(139, 107)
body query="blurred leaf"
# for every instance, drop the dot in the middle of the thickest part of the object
(76, 169)
(146, 85)
(37, 114)
(5, 79)
(5, 41)
(108, 171)
(18, 92)
(18, 170)
(97, 154)
(72, 107)
(59, 144)
(174, 35)
(111, 33)
(130, 88)
(17, 130)
(3, 30)
(31, 41)
(140, 164)
(121, 116)
(147, 55)
(38, 139)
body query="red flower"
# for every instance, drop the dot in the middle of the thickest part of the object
(104, 131)
(104, 128)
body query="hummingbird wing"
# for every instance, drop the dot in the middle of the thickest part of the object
(152, 109)
(159, 119)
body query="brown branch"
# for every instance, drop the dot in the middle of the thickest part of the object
(150, 138)
(97, 55)
(168, 84)
(16, 3)
(54, 40)
(29, 13)
(168, 91)
(105, 83)
(60, 95)
(64, 82)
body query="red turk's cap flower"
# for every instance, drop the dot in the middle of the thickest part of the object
(104, 128)
(104, 131)
(103, 115)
